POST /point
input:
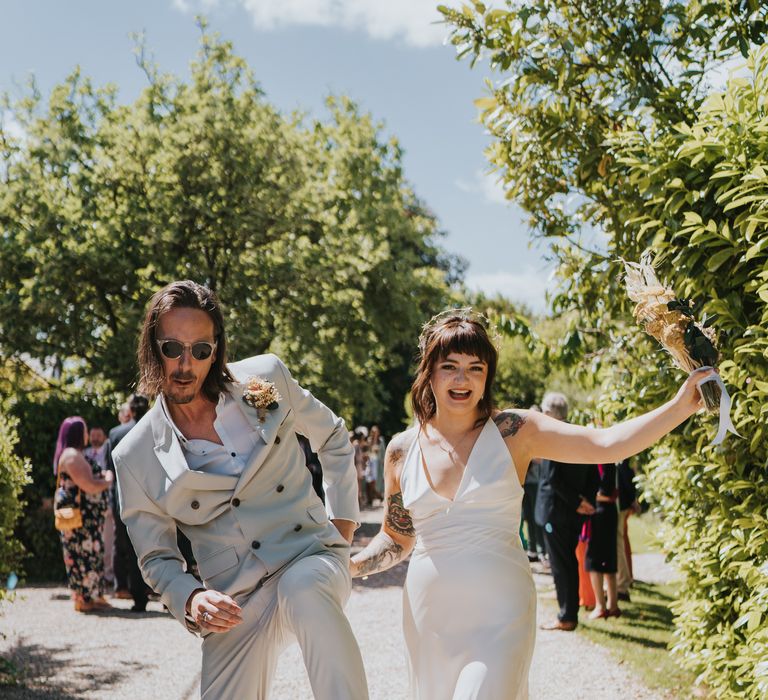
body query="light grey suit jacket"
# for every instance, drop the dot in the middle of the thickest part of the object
(239, 527)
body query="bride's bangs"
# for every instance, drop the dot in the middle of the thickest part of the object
(464, 338)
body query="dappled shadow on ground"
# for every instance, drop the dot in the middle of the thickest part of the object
(644, 621)
(391, 577)
(624, 634)
(57, 673)
(127, 613)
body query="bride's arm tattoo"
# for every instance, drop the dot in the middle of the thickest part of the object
(398, 517)
(508, 423)
(382, 553)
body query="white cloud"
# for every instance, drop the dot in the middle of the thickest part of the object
(487, 184)
(528, 286)
(189, 6)
(413, 21)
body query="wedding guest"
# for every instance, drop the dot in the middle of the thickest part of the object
(124, 414)
(129, 583)
(601, 550)
(586, 593)
(360, 446)
(628, 505)
(80, 480)
(215, 456)
(587, 598)
(453, 501)
(535, 539)
(371, 471)
(378, 449)
(561, 505)
(98, 451)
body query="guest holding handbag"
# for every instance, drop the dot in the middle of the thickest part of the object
(80, 506)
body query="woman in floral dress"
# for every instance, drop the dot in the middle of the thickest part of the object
(83, 547)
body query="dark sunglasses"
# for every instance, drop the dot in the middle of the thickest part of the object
(173, 349)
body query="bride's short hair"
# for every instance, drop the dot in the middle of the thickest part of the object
(456, 330)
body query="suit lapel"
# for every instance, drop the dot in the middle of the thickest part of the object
(267, 430)
(167, 450)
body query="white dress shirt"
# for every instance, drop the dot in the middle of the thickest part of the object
(237, 435)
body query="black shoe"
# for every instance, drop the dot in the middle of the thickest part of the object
(139, 608)
(624, 596)
(533, 556)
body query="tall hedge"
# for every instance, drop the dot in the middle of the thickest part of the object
(705, 212)
(14, 475)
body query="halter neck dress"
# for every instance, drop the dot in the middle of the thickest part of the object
(469, 607)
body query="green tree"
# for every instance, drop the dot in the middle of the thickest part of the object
(307, 229)
(14, 475)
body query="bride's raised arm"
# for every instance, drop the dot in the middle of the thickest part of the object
(396, 538)
(548, 438)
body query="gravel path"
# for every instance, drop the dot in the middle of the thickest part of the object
(67, 655)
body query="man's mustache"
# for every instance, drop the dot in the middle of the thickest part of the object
(182, 376)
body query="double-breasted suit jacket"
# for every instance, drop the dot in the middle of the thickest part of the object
(243, 529)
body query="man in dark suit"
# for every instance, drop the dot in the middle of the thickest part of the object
(562, 502)
(126, 567)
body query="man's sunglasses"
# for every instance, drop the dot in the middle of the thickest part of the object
(173, 349)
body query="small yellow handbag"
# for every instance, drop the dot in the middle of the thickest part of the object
(69, 517)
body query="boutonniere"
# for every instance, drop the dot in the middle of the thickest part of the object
(261, 395)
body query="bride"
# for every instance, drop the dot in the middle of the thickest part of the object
(453, 493)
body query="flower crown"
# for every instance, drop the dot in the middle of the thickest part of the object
(466, 313)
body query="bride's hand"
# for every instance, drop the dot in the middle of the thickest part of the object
(688, 396)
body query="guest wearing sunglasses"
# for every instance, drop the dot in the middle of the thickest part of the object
(216, 457)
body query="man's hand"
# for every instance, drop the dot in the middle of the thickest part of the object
(585, 507)
(346, 528)
(214, 611)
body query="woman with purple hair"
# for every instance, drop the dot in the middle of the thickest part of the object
(83, 547)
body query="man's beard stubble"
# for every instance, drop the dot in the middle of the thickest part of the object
(177, 396)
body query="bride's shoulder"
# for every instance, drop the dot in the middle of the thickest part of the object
(400, 444)
(510, 421)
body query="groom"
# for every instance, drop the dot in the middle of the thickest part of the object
(217, 456)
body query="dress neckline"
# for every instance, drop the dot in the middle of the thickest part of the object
(428, 477)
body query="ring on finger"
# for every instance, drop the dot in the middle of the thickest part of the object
(206, 616)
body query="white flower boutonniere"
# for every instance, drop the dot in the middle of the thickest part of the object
(261, 395)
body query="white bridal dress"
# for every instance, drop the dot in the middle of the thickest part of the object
(469, 607)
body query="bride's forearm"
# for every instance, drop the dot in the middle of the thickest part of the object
(636, 434)
(382, 553)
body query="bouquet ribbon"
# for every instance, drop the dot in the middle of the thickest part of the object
(726, 425)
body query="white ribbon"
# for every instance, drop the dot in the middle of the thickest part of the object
(726, 425)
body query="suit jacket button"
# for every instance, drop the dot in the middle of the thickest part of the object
(235, 502)
(280, 488)
(277, 440)
(195, 505)
(297, 528)
(255, 544)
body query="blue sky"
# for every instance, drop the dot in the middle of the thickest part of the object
(388, 55)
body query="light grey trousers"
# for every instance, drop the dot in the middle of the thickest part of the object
(303, 603)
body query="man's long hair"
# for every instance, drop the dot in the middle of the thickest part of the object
(184, 294)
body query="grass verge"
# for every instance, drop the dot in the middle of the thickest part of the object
(640, 638)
